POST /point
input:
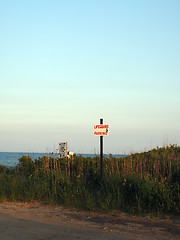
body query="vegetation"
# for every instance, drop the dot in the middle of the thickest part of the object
(140, 183)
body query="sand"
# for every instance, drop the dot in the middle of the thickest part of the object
(38, 221)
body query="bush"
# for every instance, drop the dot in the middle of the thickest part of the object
(140, 183)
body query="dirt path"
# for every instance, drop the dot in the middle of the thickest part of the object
(37, 221)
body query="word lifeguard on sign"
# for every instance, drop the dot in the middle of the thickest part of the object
(101, 130)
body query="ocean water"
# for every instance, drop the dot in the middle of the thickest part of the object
(11, 159)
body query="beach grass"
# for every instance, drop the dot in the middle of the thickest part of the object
(141, 183)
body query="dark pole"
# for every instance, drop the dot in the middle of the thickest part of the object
(101, 150)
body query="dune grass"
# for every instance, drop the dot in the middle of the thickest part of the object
(141, 183)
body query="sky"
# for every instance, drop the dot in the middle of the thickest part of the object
(66, 64)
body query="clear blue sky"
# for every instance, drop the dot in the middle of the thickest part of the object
(66, 64)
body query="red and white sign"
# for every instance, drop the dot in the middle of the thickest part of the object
(101, 130)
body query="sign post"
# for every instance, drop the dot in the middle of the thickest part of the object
(101, 150)
(101, 130)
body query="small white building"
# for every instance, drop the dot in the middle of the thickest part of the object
(70, 154)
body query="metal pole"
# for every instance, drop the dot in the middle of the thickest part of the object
(101, 150)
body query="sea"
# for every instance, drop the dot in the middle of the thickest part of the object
(11, 159)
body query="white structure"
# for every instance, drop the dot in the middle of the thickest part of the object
(63, 151)
(70, 154)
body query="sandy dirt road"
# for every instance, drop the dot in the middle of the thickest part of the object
(37, 221)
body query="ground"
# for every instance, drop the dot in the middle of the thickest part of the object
(38, 221)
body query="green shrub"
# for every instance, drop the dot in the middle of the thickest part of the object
(141, 183)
